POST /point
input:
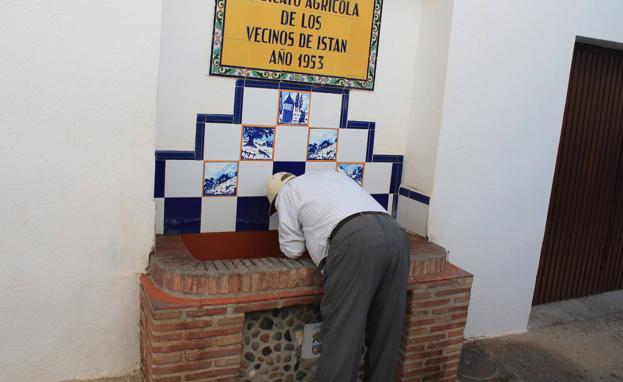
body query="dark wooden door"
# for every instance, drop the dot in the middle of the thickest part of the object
(582, 250)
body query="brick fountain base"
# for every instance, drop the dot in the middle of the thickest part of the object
(226, 320)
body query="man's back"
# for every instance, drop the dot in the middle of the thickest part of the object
(314, 204)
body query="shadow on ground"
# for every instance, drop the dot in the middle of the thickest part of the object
(574, 347)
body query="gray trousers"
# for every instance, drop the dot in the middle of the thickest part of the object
(365, 287)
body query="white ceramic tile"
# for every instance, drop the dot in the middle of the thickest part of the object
(377, 177)
(325, 110)
(417, 217)
(273, 223)
(352, 144)
(252, 178)
(259, 106)
(183, 178)
(159, 202)
(221, 142)
(291, 144)
(319, 166)
(390, 204)
(218, 214)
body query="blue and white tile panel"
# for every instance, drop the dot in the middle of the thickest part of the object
(274, 127)
(412, 214)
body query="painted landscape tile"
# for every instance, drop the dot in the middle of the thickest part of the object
(293, 108)
(353, 170)
(257, 143)
(220, 178)
(322, 144)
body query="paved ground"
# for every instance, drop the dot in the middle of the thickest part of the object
(575, 340)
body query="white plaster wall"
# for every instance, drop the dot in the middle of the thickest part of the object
(422, 127)
(186, 89)
(508, 69)
(78, 84)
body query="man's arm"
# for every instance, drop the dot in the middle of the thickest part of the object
(291, 238)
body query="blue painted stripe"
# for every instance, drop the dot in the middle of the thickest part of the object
(174, 155)
(388, 158)
(201, 118)
(411, 194)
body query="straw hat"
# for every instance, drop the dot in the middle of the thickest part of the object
(274, 185)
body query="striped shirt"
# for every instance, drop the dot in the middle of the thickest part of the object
(311, 205)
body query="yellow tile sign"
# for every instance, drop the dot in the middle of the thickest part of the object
(329, 42)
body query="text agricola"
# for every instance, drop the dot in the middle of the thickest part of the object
(340, 7)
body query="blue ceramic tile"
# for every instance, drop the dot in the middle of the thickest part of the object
(201, 118)
(419, 197)
(394, 210)
(239, 94)
(322, 144)
(295, 86)
(414, 195)
(383, 199)
(293, 108)
(296, 168)
(370, 146)
(182, 215)
(257, 143)
(252, 213)
(220, 178)
(219, 118)
(344, 114)
(173, 155)
(353, 170)
(199, 134)
(396, 177)
(159, 179)
(387, 158)
(259, 84)
(358, 125)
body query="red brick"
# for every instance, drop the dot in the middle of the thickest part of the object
(424, 304)
(166, 337)
(206, 333)
(188, 366)
(230, 320)
(186, 345)
(430, 338)
(227, 361)
(452, 291)
(167, 379)
(163, 359)
(181, 325)
(206, 312)
(256, 307)
(166, 315)
(460, 316)
(443, 344)
(455, 333)
(447, 327)
(209, 354)
(229, 340)
(213, 373)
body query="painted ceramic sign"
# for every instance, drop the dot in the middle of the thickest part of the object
(327, 42)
